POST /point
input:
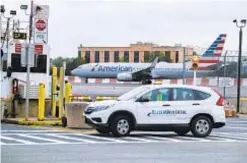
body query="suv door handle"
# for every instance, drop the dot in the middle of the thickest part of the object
(166, 105)
(196, 104)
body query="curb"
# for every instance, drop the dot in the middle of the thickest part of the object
(36, 123)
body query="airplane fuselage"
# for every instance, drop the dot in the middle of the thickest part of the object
(162, 70)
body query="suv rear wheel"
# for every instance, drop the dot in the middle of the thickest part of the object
(201, 126)
(120, 125)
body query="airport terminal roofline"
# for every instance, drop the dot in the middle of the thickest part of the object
(149, 45)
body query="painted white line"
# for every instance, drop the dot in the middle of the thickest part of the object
(2, 143)
(236, 137)
(101, 138)
(71, 138)
(232, 121)
(165, 138)
(29, 131)
(17, 140)
(239, 128)
(193, 138)
(139, 139)
(41, 138)
(220, 138)
(230, 133)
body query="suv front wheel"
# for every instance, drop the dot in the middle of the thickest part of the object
(201, 126)
(120, 125)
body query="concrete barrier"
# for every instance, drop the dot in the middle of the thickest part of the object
(243, 105)
(74, 114)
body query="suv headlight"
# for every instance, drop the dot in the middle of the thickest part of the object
(100, 108)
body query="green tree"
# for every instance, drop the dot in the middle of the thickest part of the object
(71, 63)
(195, 53)
(122, 59)
(150, 56)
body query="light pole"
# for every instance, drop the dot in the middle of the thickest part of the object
(24, 7)
(241, 26)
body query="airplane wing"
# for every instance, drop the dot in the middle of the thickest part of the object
(147, 70)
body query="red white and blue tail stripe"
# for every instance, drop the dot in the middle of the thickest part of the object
(212, 55)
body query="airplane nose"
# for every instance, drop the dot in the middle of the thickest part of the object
(74, 72)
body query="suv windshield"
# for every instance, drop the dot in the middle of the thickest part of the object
(131, 94)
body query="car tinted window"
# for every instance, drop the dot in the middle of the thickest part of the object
(158, 95)
(183, 94)
(201, 95)
(133, 93)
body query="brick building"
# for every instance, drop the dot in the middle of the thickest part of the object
(138, 52)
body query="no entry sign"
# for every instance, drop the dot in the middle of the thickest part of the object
(40, 25)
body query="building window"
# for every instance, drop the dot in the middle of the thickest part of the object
(136, 56)
(146, 56)
(177, 57)
(96, 57)
(168, 54)
(116, 56)
(87, 56)
(107, 56)
(126, 56)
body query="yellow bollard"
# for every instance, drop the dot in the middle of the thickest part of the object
(54, 89)
(68, 92)
(41, 103)
(61, 93)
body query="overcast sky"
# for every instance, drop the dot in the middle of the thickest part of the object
(119, 23)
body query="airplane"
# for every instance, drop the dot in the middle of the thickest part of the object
(144, 72)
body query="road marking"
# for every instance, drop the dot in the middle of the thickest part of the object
(71, 138)
(213, 137)
(17, 140)
(230, 133)
(41, 138)
(165, 138)
(240, 128)
(231, 122)
(236, 137)
(101, 138)
(139, 139)
(193, 138)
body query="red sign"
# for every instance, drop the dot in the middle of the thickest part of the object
(40, 25)
(38, 49)
(18, 48)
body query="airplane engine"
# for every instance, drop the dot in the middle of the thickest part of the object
(124, 77)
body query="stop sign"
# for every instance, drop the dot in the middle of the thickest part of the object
(40, 25)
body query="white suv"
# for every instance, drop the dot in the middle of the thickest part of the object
(178, 108)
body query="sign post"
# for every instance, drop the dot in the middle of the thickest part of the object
(194, 78)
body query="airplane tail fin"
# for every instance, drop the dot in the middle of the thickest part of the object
(154, 62)
(213, 53)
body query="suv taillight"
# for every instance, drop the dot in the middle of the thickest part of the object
(220, 101)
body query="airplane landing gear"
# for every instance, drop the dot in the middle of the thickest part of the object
(146, 81)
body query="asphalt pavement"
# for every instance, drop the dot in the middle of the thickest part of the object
(28, 145)
(94, 90)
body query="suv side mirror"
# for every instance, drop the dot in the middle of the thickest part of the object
(143, 100)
